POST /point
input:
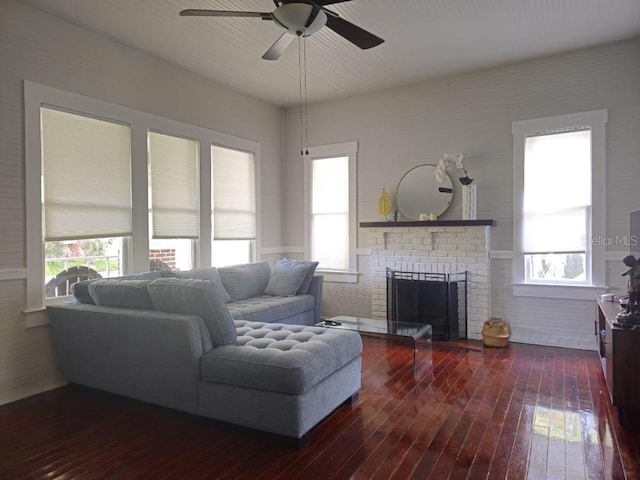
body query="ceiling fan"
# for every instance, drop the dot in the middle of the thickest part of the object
(299, 18)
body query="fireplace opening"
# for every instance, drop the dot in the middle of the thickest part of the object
(437, 299)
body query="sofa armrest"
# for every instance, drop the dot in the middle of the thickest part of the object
(147, 355)
(315, 289)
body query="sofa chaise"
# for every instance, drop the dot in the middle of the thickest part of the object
(173, 341)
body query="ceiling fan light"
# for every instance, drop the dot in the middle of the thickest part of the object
(294, 17)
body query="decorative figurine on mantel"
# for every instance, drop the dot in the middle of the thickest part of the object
(448, 161)
(384, 203)
(631, 314)
(469, 210)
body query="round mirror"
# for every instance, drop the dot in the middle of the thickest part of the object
(420, 193)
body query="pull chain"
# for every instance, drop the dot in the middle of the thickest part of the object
(306, 111)
(300, 92)
(302, 66)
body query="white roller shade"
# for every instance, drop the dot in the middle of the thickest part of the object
(557, 196)
(330, 190)
(559, 231)
(173, 163)
(86, 166)
(234, 194)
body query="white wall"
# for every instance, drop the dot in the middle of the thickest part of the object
(38, 47)
(401, 128)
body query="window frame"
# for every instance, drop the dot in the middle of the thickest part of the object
(136, 248)
(192, 241)
(253, 242)
(190, 164)
(596, 122)
(349, 150)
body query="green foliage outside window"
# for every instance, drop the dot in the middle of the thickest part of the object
(78, 250)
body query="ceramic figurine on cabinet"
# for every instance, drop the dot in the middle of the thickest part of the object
(633, 285)
(631, 314)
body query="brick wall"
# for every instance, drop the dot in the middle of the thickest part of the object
(435, 250)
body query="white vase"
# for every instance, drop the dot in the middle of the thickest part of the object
(469, 202)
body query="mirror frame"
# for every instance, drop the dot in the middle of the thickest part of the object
(423, 196)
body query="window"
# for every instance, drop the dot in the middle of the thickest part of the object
(331, 210)
(233, 177)
(555, 226)
(558, 202)
(80, 156)
(173, 198)
(111, 190)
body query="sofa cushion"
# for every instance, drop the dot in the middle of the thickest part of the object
(245, 281)
(266, 308)
(80, 290)
(206, 273)
(195, 297)
(289, 359)
(121, 293)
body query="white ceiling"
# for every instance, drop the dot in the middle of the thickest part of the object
(424, 39)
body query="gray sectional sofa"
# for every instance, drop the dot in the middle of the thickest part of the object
(235, 344)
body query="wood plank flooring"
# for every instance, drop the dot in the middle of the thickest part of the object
(522, 412)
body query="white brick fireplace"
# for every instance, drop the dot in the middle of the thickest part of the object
(435, 247)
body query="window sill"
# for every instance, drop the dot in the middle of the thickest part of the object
(338, 277)
(571, 292)
(36, 317)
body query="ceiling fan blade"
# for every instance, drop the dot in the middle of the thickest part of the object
(224, 13)
(351, 32)
(329, 2)
(278, 47)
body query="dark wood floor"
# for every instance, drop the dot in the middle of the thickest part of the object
(519, 412)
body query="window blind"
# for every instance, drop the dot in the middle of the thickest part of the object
(86, 167)
(234, 196)
(559, 231)
(557, 194)
(173, 168)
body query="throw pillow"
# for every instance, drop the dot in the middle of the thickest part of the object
(80, 291)
(286, 278)
(306, 283)
(121, 293)
(195, 297)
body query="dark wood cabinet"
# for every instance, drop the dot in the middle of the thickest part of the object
(619, 350)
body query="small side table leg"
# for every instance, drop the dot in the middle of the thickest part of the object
(415, 368)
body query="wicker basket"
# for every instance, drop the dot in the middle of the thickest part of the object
(495, 333)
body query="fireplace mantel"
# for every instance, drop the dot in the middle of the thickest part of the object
(430, 223)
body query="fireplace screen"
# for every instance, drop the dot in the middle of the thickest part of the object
(437, 299)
